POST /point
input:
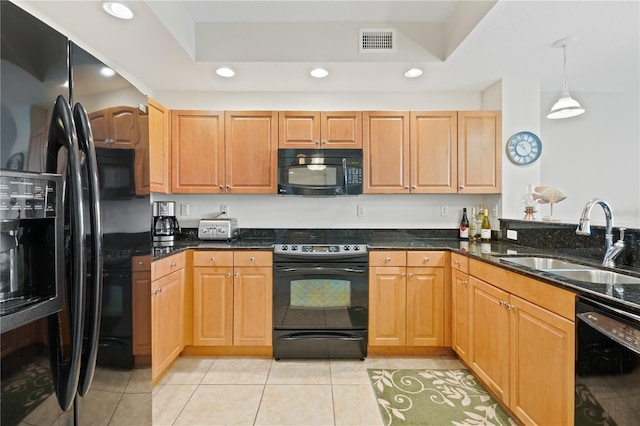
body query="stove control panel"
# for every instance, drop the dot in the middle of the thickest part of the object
(320, 249)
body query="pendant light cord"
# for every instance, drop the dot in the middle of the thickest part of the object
(564, 67)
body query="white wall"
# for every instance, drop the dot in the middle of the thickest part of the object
(593, 155)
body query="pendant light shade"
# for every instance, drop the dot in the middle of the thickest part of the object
(566, 106)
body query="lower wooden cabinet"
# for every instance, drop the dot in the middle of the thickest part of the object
(141, 311)
(232, 298)
(406, 298)
(460, 306)
(522, 343)
(167, 312)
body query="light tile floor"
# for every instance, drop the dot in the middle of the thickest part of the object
(261, 391)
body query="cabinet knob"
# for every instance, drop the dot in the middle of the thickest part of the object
(404, 274)
(253, 259)
(502, 303)
(172, 264)
(141, 263)
(510, 306)
(317, 142)
(228, 274)
(464, 282)
(413, 187)
(461, 186)
(457, 262)
(388, 259)
(410, 274)
(213, 259)
(406, 187)
(324, 142)
(228, 186)
(221, 187)
(237, 274)
(426, 259)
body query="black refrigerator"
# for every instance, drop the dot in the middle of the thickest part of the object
(74, 226)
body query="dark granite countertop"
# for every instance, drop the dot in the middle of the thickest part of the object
(627, 299)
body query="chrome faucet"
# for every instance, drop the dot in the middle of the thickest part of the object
(612, 251)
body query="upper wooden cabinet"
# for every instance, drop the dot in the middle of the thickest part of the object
(251, 152)
(479, 152)
(386, 152)
(410, 152)
(159, 148)
(432, 152)
(115, 127)
(197, 152)
(230, 152)
(309, 129)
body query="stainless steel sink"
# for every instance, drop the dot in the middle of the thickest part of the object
(544, 263)
(597, 276)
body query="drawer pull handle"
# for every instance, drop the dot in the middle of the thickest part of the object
(457, 262)
(426, 259)
(213, 259)
(172, 264)
(253, 259)
(388, 259)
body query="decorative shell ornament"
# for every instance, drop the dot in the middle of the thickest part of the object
(548, 195)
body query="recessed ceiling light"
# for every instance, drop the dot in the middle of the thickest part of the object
(319, 73)
(118, 10)
(225, 72)
(107, 72)
(413, 73)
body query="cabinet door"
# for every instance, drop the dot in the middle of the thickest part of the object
(141, 161)
(425, 306)
(141, 297)
(251, 152)
(386, 152)
(479, 152)
(542, 365)
(489, 352)
(167, 321)
(387, 301)
(460, 313)
(115, 127)
(159, 148)
(197, 152)
(212, 306)
(434, 152)
(341, 129)
(299, 129)
(252, 314)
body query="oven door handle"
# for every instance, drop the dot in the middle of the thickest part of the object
(321, 336)
(319, 269)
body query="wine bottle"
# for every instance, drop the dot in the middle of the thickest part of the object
(479, 218)
(473, 226)
(485, 229)
(464, 225)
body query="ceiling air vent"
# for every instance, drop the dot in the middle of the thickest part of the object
(377, 40)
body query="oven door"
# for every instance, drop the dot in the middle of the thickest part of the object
(607, 365)
(320, 310)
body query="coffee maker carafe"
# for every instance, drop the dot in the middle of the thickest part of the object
(165, 224)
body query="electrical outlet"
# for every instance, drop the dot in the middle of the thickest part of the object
(444, 210)
(361, 211)
(224, 208)
(512, 234)
(184, 209)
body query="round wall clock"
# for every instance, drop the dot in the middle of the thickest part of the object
(524, 148)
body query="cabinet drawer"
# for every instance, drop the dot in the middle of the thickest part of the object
(165, 266)
(212, 258)
(141, 263)
(426, 258)
(252, 258)
(459, 262)
(387, 258)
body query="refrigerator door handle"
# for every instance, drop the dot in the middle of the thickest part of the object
(66, 369)
(94, 289)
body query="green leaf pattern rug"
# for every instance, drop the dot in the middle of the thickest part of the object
(434, 397)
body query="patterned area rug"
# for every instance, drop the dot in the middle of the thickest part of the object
(23, 391)
(434, 397)
(588, 409)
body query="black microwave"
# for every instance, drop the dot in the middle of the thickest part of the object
(320, 171)
(116, 173)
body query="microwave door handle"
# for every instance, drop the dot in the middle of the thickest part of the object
(66, 371)
(344, 173)
(94, 289)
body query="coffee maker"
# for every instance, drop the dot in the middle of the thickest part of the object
(165, 224)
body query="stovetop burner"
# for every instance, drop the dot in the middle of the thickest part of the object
(328, 250)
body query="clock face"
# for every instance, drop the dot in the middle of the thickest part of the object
(524, 148)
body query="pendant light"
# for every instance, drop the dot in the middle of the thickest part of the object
(566, 106)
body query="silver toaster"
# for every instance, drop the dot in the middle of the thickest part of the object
(218, 229)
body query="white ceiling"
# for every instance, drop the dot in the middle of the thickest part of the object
(461, 45)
